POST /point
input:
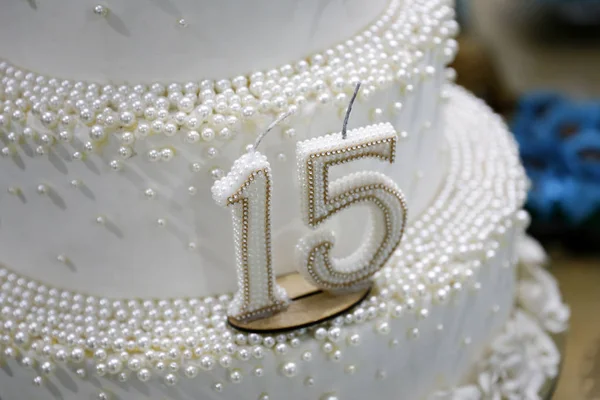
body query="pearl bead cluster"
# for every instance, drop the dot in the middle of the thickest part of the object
(46, 110)
(442, 251)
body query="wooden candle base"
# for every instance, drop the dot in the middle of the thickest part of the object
(309, 306)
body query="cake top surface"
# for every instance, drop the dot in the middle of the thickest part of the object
(175, 40)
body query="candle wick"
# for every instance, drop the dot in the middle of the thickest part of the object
(344, 127)
(270, 127)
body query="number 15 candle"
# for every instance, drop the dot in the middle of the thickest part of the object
(246, 190)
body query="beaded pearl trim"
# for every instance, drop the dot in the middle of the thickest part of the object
(403, 47)
(441, 253)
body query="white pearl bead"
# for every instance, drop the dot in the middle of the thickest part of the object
(320, 333)
(383, 327)
(413, 333)
(289, 369)
(150, 193)
(167, 154)
(47, 367)
(42, 189)
(116, 165)
(218, 387)
(171, 379)
(354, 339)
(281, 349)
(101, 10)
(144, 375)
(212, 152)
(154, 155)
(335, 356)
(192, 137)
(114, 365)
(327, 347)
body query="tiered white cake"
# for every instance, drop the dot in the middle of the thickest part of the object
(116, 118)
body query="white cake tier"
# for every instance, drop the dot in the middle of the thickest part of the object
(434, 308)
(106, 189)
(175, 40)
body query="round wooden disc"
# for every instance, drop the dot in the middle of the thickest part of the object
(308, 306)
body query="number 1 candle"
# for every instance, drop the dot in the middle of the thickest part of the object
(246, 190)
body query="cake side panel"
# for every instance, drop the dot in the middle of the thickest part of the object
(180, 40)
(82, 225)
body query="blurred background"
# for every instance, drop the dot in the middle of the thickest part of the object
(537, 62)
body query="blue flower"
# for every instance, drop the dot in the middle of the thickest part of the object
(565, 121)
(545, 194)
(579, 199)
(581, 155)
(531, 109)
(560, 149)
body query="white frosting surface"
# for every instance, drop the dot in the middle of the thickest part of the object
(143, 41)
